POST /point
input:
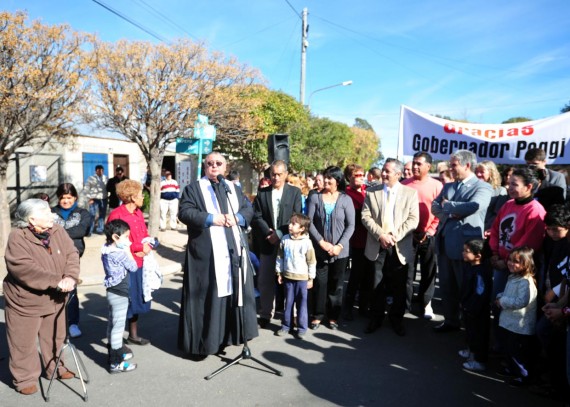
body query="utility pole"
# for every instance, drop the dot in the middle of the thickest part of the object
(304, 45)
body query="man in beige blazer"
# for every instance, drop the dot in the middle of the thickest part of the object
(390, 214)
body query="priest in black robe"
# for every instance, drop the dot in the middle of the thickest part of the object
(212, 289)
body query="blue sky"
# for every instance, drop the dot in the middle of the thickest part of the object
(483, 61)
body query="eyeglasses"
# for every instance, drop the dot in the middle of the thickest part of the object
(214, 163)
(358, 175)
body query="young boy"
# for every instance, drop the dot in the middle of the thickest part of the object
(475, 303)
(555, 249)
(117, 262)
(552, 285)
(296, 269)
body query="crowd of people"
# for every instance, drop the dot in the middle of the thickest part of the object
(42, 261)
(497, 243)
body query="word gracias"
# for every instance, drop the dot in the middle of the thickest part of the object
(489, 133)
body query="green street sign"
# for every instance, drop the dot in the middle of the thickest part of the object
(192, 145)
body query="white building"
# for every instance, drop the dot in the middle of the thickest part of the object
(32, 172)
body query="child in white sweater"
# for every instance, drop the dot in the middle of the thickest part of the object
(518, 313)
(296, 269)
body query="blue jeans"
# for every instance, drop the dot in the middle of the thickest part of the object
(295, 294)
(98, 207)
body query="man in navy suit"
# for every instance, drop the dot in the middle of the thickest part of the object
(552, 187)
(273, 208)
(461, 207)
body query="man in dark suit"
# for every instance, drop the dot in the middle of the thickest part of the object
(273, 208)
(390, 215)
(461, 207)
(552, 187)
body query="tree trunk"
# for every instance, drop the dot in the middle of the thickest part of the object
(155, 166)
(5, 222)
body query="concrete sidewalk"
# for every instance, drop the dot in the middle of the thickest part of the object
(169, 254)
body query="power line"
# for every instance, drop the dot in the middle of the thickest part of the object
(131, 21)
(255, 33)
(165, 18)
(293, 8)
(433, 58)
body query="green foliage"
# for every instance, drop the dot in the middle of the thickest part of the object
(275, 112)
(365, 147)
(517, 120)
(362, 124)
(322, 144)
(278, 111)
(444, 117)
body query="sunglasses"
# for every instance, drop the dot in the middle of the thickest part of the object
(358, 175)
(214, 163)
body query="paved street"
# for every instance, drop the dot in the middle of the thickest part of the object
(345, 367)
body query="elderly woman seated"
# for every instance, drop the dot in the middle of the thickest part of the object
(43, 266)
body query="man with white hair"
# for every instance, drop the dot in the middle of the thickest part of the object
(461, 207)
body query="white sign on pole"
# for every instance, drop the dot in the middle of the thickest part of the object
(184, 172)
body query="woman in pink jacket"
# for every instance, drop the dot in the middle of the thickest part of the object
(520, 222)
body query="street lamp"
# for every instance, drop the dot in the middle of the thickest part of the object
(345, 83)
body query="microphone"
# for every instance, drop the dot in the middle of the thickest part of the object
(222, 181)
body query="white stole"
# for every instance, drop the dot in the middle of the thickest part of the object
(222, 260)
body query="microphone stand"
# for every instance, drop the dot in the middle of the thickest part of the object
(245, 352)
(76, 357)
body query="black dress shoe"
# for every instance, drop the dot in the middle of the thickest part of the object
(194, 357)
(373, 325)
(399, 329)
(445, 327)
(263, 322)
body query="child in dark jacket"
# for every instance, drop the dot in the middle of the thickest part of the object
(475, 304)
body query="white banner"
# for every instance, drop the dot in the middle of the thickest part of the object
(501, 143)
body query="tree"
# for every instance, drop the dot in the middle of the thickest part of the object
(321, 144)
(566, 108)
(362, 124)
(152, 94)
(273, 112)
(517, 120)
(365, 147)
(42, 82)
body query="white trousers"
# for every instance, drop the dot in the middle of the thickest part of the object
(172, 207)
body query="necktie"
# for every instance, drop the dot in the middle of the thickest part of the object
(459, 185)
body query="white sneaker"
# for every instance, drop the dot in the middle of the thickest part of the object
(474, 366)
(428, 311)
(74, 331)
(465, 353)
